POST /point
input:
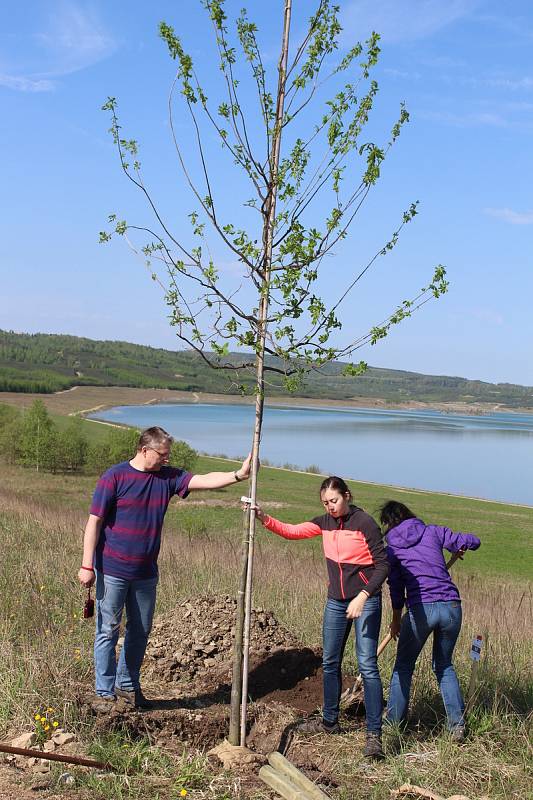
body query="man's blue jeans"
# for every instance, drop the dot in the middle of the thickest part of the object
(113, 595)
(443, 620)
(336, 630)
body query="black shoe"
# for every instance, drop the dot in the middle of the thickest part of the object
(373, 747)
(318, 725)
(134, 698)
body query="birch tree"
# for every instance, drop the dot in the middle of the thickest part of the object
(298, 143)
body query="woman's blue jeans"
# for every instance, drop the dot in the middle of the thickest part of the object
(443, 620)
(113, 595)
(336, 629)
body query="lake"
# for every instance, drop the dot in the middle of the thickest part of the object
(489, 456)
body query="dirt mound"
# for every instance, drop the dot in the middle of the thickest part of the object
(193, 643)
(187, 674)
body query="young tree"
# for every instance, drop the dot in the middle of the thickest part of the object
(307, 178)
(182, 455)
(38, 438)
(72, 446)
(10, 433)
(119, 445)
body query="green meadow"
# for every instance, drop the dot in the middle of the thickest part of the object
(45, 648)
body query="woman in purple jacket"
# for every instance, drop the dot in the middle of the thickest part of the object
(418, 578)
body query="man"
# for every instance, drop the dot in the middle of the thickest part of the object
(120, 548)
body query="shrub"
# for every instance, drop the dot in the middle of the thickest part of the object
(182, 455)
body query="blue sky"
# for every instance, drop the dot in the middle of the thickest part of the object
(463, 67)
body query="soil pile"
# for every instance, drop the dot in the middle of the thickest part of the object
(187, 674)
(193, 644)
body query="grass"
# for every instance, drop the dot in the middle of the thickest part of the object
(45, 646)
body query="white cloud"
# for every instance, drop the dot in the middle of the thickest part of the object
(513, 217)
(495, 82)
(26, 84)
(467, 120)
(402, 20)
(402, 74)
(510, 83)
(65, 40)
(74, 39)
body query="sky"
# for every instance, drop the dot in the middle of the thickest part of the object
(465, 72)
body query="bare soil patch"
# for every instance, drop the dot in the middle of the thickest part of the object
(187, 673)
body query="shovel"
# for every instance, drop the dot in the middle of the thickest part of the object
(354, 694)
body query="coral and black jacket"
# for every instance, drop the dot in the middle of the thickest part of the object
(353, 546)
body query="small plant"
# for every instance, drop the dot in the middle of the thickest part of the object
(46, 723)
(192, 773)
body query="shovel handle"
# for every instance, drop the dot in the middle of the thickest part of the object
(383, 644)
(455, 557)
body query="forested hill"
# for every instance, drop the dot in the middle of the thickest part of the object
(49, 363)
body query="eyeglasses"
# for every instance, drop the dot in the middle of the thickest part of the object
(165, 454)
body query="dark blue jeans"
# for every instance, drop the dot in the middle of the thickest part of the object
(443, 620)
(336, 630)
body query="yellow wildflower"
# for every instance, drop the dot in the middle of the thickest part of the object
(55, 723)
(47, 727)
(183, 793)
(37, 717)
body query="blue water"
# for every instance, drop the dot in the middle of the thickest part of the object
(488, 456)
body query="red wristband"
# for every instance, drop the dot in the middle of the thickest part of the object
(89, 569)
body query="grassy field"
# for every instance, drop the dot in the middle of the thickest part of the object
(45, 647)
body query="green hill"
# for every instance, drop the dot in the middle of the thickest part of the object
(50, 362)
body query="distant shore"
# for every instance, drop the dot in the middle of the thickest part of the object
(85, 399)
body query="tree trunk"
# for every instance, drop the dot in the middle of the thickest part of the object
(244, 599)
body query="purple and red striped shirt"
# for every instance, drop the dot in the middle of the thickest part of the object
(132, 505)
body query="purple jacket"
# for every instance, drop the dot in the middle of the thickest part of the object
(417, 566)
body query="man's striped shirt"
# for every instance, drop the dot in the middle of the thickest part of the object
(132, 505)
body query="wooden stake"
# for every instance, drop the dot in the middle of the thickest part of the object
(282, 784)
(284, 767)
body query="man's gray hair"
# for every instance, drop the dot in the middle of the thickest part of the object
(154, 437)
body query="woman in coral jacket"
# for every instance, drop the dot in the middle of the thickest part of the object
(357, 567)
(419, 579)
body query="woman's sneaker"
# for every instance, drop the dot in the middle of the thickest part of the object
(373, 747)
(318, 725)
